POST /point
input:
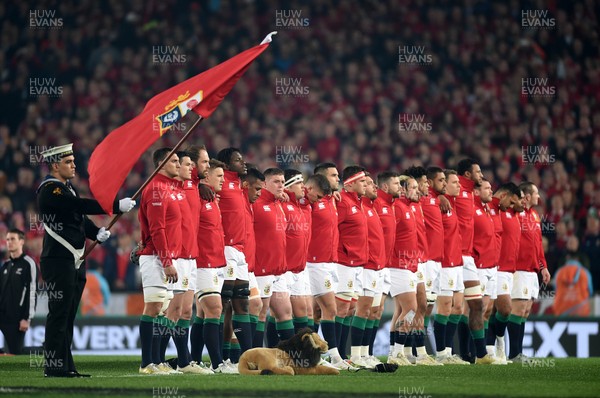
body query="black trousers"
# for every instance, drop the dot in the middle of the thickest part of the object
(65, 286)
(13, 338)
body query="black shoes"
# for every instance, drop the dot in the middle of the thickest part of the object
(64, 373)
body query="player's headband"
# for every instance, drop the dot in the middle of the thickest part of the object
(354, 178)
(293, 180)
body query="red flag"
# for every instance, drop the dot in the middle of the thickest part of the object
(113, 159)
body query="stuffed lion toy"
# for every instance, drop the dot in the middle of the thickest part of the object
(299, 355)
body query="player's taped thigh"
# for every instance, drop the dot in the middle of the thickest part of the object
(346, 296)
(241, 291)
(155, 294)
(473, 293)
(203, 294)
(377, 300)
(166, 302)
(227, 292)
(431, 297)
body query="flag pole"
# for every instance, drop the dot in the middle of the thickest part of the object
(116, 217)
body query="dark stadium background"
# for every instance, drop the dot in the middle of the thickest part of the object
(332, 87)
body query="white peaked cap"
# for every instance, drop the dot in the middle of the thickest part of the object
(58, 152)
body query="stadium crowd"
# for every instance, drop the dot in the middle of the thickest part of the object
(356, 97)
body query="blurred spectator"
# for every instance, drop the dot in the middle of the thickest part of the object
(591, 248)
(96, 294)
(573, 284)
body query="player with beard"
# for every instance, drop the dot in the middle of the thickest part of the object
(388, 191)
(450, 287)
(371, 279)
(352, 257)
(252, 185)
(179, 311)
(322, 259)
(270, 226)
(530, 262)
(469, 174)
(444, 324)
(507, 204)
(297, 239)
(233, 212)
(420, 175)
(485, 251)
(209, 278)
(160, 223)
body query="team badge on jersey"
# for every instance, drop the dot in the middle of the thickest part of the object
(478, 212)
(370, 213)
(266, 208)
(267, 289)
(290, 207)
(384, 210)
(429, 283)
(185, 283)
(321, 205)
(374, 284)
(327, 284)
(354, 210)
(229, 271)
(465, 194)
(350, 284)
(432, 201)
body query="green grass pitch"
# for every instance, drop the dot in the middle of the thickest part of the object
(116, 376)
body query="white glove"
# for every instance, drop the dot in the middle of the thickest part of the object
(103, 235)
(126, 205)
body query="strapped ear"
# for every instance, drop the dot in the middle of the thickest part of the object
(310, 338)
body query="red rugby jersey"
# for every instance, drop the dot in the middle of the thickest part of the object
(452, 239)
(269, 229)
(421, 229)
(250, 245)
(377, 255)
(433, 225)
(307, 210)
(324, 238)
(531, 254)
(190, 208)
(484, 236)
(511, 238)
(406, 247)
(296, 234)
(386, 211)
(464, 207)
(160, 219)
(233, 208)
(494, 208)
(353, 248)
(211, 239)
